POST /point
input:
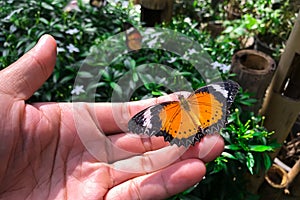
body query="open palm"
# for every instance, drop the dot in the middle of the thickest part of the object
(43, 157)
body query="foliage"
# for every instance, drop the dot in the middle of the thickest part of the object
(220, 50)
(199, 10)
(265, 22)
(23, 22)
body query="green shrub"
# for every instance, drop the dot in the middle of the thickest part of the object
(23, 22)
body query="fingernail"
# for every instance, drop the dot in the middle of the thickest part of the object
(41, 42)
(209, 142)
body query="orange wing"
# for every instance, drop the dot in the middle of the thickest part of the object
(177, 125)
(208, 109)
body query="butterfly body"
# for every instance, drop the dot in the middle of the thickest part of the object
(186, 121)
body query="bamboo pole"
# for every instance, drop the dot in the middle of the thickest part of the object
(280, 106)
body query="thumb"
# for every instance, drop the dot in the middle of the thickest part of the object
(22, 78)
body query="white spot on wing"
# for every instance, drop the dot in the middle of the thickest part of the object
(147, 116)
(220, 89)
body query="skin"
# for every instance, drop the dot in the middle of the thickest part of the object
(43, 157)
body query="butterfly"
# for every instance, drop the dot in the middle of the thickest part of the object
(186, 121)
(98, 3)
(133, 37)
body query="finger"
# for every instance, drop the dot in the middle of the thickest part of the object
(149, 161)
(206, 150)
(161, 184)
(114, 117)
(22, 78)
(141, 143)
(210, 147)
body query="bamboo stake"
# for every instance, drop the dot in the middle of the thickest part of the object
(279, 108)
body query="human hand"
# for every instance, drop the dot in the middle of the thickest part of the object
(43, 157)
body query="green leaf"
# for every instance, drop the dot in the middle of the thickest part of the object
(96, 85)
(228, 155)
(156, 93)
(47, 6)
(250, 162)
(239, 31)
(44, 21)
(232, 147)
(185, 73)
(48, 96)
(190, 189)
(135, 77)
(90, 30)
(116, 87)
(240, 156)
(132, 63)
(56, 76)
(259, 134)
(66, 79)
(127, 63)
(267, 161)
(84, 74)
(260, 148)
(229, 29)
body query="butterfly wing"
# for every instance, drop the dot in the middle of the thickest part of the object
(148, 120)
(210, 105)
(177, 125)
(133, 37)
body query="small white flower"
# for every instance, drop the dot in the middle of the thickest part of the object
(225, 68)
(191, 51)
(78, 89)
(216, 65)
(60, 49)
(173, 59)
(187, 20)
(72, 48)
(186, 56)
(125, 4)
(72, 31)
(6, 44)
(12, 28)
